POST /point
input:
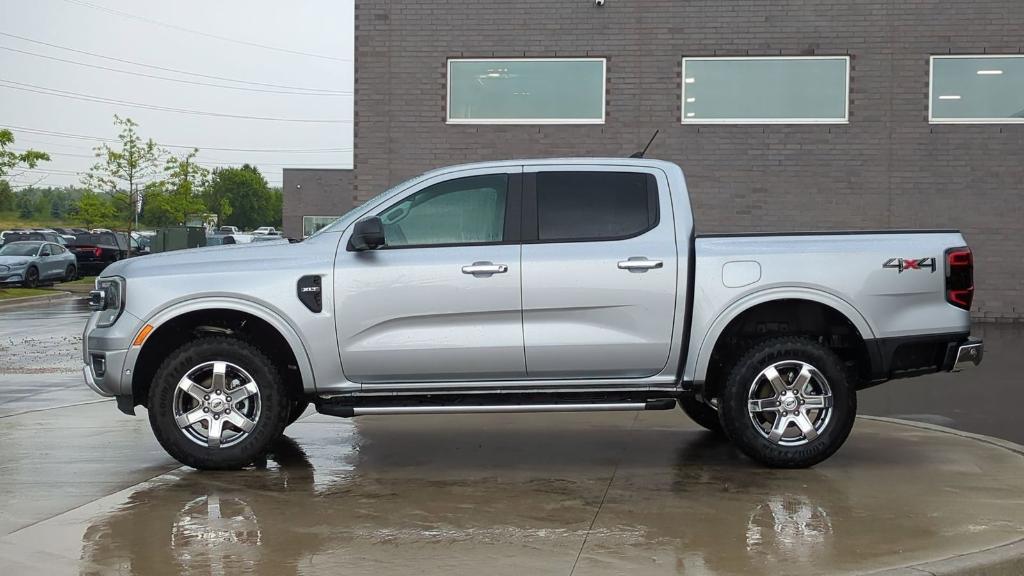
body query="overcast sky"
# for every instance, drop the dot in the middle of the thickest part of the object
(310, 49)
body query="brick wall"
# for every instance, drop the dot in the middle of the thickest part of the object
(314, 192)
(887, 168)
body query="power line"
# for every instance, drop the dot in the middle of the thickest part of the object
(166, 69)
(100, 100)
(217, 162)
(56, 134)
(200, 33)
(169, 79)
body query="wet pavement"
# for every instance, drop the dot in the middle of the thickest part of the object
(86, 490)
(643, 493)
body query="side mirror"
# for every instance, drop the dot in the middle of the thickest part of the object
(367, 234)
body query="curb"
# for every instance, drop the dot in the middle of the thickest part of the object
(1002, 560)
(41, 299)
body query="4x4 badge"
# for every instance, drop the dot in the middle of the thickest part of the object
(902, 264)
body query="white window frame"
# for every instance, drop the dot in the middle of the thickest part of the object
(846, 107)
(604, 94)
(931, 83)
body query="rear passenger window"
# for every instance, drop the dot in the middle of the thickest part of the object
(577, 206)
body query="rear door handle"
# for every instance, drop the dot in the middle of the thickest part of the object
(639, 263)
(484, 269)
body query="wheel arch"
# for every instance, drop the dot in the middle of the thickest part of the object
(779, 299)
(264, 327)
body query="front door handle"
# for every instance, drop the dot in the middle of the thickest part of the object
(640, 264)
(484, 269)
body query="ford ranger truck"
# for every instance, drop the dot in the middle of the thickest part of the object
(557, 285)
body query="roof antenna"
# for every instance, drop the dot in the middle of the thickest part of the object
(641, 153)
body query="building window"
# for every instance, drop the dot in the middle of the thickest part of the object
(594, 206)
(976, 89)
(526, 91)
(311, 224)
(766, 90)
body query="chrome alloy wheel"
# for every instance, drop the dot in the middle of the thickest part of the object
(216, 404)
(790, 403)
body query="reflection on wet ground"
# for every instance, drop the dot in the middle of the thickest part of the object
(536, 494)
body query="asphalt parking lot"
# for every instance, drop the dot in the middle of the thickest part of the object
(84, 489)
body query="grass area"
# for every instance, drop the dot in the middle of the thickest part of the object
(9, 293)
(10, 220)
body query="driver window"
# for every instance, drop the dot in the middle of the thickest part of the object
(44, 251)
(467, 210)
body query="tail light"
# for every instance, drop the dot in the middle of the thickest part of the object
(960, 277)
(97, 251)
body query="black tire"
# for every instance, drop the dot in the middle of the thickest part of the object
(70, 273)
(31, 277)
(701, 413)
(273, 398)
(734, 402)
(295, 409)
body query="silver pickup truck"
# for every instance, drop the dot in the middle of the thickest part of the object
(529, 286)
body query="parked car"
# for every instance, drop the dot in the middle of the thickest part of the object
(32, 262)
(70, 231)
(34, 236)
(530, 285)
(267, 237)
(265, 230)
(227, 230)
(97, 250)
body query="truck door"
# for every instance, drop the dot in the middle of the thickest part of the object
(441, 300)
(599, 271)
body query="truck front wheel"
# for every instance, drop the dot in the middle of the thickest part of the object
(216, 403)
(788, 403)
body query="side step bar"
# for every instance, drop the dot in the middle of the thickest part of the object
(345, 411)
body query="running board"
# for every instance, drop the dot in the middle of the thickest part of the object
(345, 411)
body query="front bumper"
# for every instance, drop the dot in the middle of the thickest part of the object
(968, 354)
(104, 355)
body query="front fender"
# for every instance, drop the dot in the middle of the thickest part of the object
(699, 357)
(271, 317)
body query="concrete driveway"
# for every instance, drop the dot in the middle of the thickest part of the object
(86, 490)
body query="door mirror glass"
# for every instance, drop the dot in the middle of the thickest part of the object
(367, 234)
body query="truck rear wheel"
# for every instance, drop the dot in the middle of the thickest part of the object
(217, 403)
(701, 413)
(788, 403)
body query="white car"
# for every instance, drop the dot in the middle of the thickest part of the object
(264, 230)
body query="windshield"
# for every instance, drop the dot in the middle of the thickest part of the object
(93, 239)
(20, 249)
(345, 219)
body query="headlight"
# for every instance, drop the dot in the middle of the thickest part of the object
(19, 264)
(108, 299)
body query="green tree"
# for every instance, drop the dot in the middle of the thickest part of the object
(276, 207)
(25, 206)
(171, 200)
(6, 196)
(93, 209)
(122, 171)
(9, 160)
(244, 192)
(42, 207)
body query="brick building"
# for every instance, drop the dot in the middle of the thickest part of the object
(791, 114)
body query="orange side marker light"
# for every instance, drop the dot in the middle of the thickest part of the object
(143, 334)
